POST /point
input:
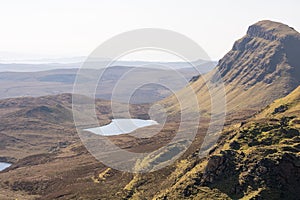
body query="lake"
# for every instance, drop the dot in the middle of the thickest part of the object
(121, 126)
(4, 165)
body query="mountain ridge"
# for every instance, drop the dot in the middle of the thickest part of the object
(261, 66)
(262, 55)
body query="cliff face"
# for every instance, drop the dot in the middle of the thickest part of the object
(267, 54)
(262, 66)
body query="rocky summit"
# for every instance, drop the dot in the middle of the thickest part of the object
(262, 66)
(267, 54)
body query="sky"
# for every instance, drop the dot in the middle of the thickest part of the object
(69, 28)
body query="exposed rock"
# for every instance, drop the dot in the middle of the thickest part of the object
(263, 55)
(194, 78)
(219, 166)
(280, 109)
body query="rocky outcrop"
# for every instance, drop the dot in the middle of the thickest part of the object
(219, 166)
(263, 157)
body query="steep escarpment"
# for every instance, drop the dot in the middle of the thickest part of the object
(266, 54)
(261, 67)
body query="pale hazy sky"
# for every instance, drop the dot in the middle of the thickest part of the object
(60, 28)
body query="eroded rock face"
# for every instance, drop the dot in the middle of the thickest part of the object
(258, 31)
(265, 54)
(280, 109)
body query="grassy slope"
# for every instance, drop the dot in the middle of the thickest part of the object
(259, 159)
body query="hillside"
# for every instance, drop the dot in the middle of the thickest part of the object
(281, 107)
(258, 159)
(261, 67)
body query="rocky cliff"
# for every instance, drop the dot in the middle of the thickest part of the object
(262, 66)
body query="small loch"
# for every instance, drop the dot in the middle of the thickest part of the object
(121, 126)
(4, 165)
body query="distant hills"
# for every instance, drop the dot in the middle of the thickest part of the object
(57, 81)
(21, 79)
(70, 63)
